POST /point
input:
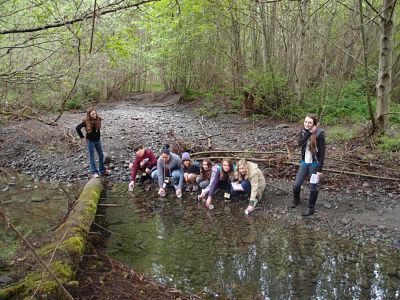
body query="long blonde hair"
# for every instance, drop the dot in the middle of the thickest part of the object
(242, 163)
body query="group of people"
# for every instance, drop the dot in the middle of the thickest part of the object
(179, 172)
(234, 179)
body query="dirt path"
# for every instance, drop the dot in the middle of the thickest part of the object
(354, 207)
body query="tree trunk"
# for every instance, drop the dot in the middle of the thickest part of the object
(300, 68)
(384, 84)
(238, 64)
(365, 51)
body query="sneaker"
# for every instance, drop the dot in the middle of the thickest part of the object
(161, 193)
(179, 193)
(195, 188)
(95, 175)
(188, 188)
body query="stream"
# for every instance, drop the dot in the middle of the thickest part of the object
(218, 253)
(221, 253)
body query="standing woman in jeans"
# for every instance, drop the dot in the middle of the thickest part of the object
(312, 142)
(92, 124)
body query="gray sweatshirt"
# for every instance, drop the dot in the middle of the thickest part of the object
(174, 163)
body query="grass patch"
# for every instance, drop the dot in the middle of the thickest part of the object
(9, 246)
(340, 133)
(388, 144)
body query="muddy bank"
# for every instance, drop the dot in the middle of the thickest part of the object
(350, 206)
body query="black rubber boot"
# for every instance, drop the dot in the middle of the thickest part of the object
(311, 204)
(296, 196)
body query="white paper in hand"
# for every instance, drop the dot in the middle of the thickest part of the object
(237, 186)
(314, 179)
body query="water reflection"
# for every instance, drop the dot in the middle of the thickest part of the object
(33, 207)
(222, 253)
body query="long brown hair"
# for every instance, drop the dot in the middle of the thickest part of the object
(206, 174)
(225, 175)
(91, 123)
(313, 138)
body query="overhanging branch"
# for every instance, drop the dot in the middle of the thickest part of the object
(87, 15)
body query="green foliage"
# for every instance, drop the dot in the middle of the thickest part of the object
(8, 246)
(386, 143)
(209, 107)
(269, 91)
(340, 133)
(337, 101)
(190, 95)
(257, 117)
(73, 103)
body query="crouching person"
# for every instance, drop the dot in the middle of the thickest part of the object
(191, 170)
(204, 179)
(221, 178)
(144, 163)
(252, 182)
(169, 171)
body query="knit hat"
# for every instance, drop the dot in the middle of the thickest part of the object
(185, 156)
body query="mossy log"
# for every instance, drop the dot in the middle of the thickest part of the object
(69, 245)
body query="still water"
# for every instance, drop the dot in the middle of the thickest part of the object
(223, 254)
(34, 208)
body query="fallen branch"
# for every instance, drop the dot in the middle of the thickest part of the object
(350, 173)
(297, 164)
(239, 152)
(205, 132)
(103, 228)
(109, 205)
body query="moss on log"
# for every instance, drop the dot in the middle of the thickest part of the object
(69, 245)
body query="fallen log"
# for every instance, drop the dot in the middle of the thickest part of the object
(297, 164)
(64, 252)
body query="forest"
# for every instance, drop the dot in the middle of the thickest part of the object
(339, 59)
(214, 79)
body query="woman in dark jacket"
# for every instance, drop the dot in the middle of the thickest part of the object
(92, 124)
(312, 142)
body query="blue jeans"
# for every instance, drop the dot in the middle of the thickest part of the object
(246, 185)
(91, 146)
(176, 175)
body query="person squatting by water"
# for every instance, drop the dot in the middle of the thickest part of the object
(145, 163)
(252, 182)
(203, 180)
(312, 142)
(92, 125)
(169, 171)
(221, 179)
(191, 170)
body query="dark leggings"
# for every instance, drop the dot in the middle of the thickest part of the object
(304, 170)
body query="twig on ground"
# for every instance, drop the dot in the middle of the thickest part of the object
(10, 225)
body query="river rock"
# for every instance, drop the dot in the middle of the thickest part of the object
(344, 221)
(282, 126)
(37, 198)
(5, 279)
